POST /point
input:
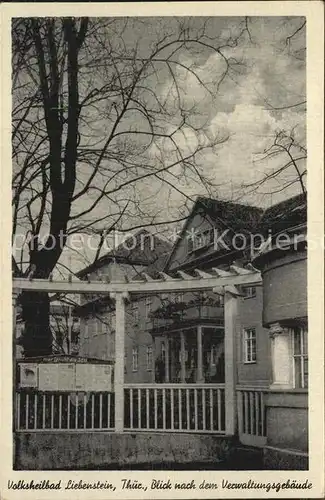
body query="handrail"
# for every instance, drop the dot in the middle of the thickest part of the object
(175, 385)
(252, 388)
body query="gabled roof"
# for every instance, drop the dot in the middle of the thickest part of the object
(288, 217)
(143, 248)
(236, 217)
(287, 214)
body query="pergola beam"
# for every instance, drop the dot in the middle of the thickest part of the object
(222, 273)
(186, 276)
(239, 270)
(154, 286)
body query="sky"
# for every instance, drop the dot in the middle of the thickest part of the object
(251, 104)
(273, 75)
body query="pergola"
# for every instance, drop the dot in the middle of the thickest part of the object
(120, 289)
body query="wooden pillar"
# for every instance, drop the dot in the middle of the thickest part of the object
(183, 371)
(70, 326)
(199, 372)
(230, 361)
(172, 359)
(154, 354)
(108, 343)
(120, 298)
(167, 359)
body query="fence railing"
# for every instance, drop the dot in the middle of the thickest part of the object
(147, 407)
(64, 411)
(251, 415)
(175, 407)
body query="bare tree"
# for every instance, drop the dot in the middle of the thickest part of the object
(93, 120)
(289, 159)
(285, 154)
(65, 329)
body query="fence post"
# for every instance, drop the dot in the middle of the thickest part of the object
(167, 371)
(119, 298)
(183, 369)
(230, 360)
(240, 413)
(199, 373)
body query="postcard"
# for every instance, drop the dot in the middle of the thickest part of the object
(162, 264)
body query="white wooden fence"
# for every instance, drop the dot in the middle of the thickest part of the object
(251, 415)
(147, 407)
(187, 408)
(36, 411)
(175, 407)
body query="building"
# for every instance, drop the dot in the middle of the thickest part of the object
(137, 254)
(180, 337)
(283, 264)
(236, 373)
(191, 327)
(64, 326)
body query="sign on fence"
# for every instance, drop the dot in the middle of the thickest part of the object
(93, 378)
(64, 376)
(28, 375)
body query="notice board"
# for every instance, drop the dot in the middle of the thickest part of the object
(71, 377)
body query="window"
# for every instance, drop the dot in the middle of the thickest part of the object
(111, 320)
(208, 237)
(202, 297)
(164, 297)
(101, 275)
(148, 306)
(125, 363)
(250, 345)
(300, 357)
(149, 358)
(214, 356)
(135, 312)
(99, 326)
(94, 327)
(105, 326)
(86, 331)
(200, 239)
(177, 297)
(163, 351)
(249, 292)
(185, 356)
(135, 359)
(221, 300)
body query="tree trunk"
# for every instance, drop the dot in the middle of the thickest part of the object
(37, 338)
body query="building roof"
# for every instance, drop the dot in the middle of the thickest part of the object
(142, 248)
(288, 218)
(152, 251)
(287, 214)
(235, 216)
